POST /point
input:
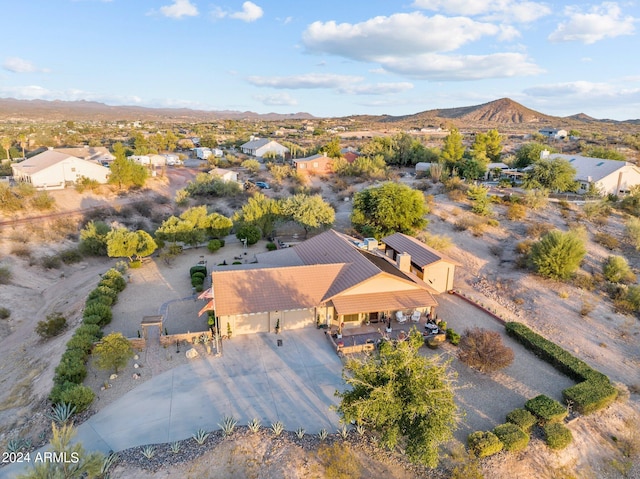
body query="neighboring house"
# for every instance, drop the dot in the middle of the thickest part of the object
(258, 147)
(313, 164)
(99, 154)
(330, 279)
(350, 154)
(171, 159)
(226, 175)
(492, 169)
(52, 170)
(554, 133)
(608, 176)
(431, 266)
(202, 152)
(140, 159)
(422, 167)
(157, 160)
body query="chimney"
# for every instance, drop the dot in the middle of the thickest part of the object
(371, 244)
(403, 262)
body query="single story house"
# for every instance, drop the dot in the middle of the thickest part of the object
(350, 154)
(608, 176)
(99, 154)
(554, 133)
(225, 175)
(431, 266)
(331, 279)
(140, 159)
(52, 170)
(319, 163)
(258, 147)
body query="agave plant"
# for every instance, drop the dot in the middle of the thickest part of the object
(277, 428)
(14, 445)
(200, 436)
(149, 452)
(343, 431)
(322, 434)
(254, 425)
(228, 425)
(108, 463)
(360, 429)
(175, 447)
(300, 433)
(61, 413)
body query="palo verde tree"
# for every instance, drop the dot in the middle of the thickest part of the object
(555, 174)
(529, 153)
(453, 149)
(126, 173)
(406, 397)
(135, 245)
(113, 352)
(260, 211)
(309, 211)
(557, 254)
(389, 208)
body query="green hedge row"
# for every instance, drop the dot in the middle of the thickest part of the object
(484, 443)
(557, 436)
(72, 368)
(513, 438)
(522, 418)
(593, 393)
(546, 409)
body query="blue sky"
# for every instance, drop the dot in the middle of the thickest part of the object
(329, 58)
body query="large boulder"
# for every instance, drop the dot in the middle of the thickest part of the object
(192, 353)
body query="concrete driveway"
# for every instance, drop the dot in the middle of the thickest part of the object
(293, 383)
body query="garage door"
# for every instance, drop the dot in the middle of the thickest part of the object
(299, 319)
(252, 323)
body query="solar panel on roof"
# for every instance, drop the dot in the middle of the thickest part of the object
(600, 164)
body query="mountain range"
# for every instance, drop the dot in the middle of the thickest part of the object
(499, 112)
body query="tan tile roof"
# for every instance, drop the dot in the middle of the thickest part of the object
(421, 254)
(271, 289)
(391, 301)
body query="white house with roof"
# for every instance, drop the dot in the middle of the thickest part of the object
(554, 133)
(224, 174)
(53, 170)
(609, 176)
(258, 147)
(99, 154)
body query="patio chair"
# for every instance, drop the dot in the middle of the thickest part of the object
(415, 317)
(400, 317)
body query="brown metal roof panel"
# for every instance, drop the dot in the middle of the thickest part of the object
(421, 254)
(393, 301)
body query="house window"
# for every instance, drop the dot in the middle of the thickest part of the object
(315, 164)
(351, 318)
(302, 166)
(73, 170)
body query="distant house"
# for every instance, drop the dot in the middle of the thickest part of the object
(313, 164)
(258, 147)
(99, 154)
(225, 175)
(140, 159)
(608, 176)
(157, 160)
(434, 268)
(350, 154)
(53, 170)
(554, 133)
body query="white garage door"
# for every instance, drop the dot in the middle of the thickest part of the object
(299, 319)
(252, 323)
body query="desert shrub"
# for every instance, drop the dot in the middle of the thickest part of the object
(78, 396)
(104, 290)
(586, 308)
(633, 296)
(516, 212)
(584, 281)
(92, 330)
(99, 299)
(114, 280)
(457, 195)
(198, 269)
(135, 264)
(617, 270)
(100, 310)
(271, 246)
(198, 274)
(484, 350)
(513, 438)
(522, 418)
(92, 320)
(5, 275)
(454, 183)
(536, 230)
(21, 250)
(51, 261)
(536, 199)
(199, 288)
(81, 342)
(468, 222)
(197, 281)
(524, 247)
(632, 232)
(70, 256)
(452, 336)
(437, 242)
(4, 312)
(339, 461)
(214, 245)
(42, 200)
(484, 443)
(557, 436)
(54, 325)
(546, 409)
(557, 254)
(608, 241)
(71, 368)
(481, 202)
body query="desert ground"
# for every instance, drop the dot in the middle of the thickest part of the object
(606, 340)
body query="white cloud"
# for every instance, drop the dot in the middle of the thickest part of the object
(20, 65)
(344, 84)
(36, 92)
(576, 88)
(400, 34)
(250, 12)
(600, 22)
(462, 67)
(277, 99)
(502, 10)
(309, 80)
(179, 9)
